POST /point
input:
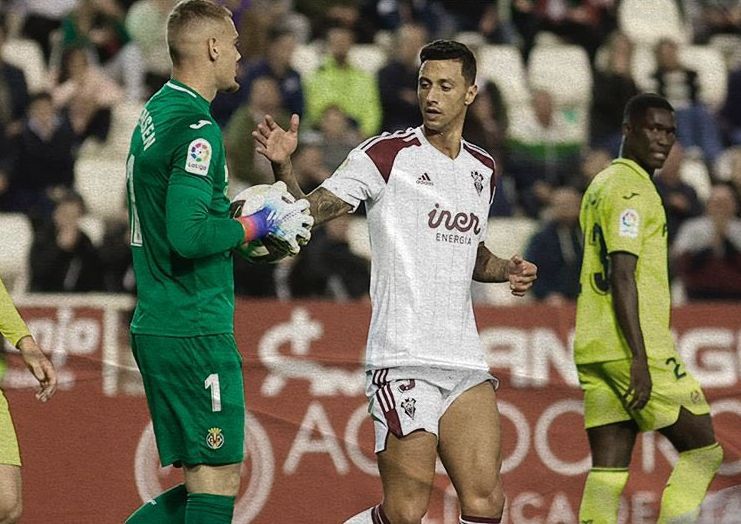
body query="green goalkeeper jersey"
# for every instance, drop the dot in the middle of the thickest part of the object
(622, 211)
(181, 234)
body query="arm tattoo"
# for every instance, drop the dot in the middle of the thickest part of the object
(489, 267)
(326, 206)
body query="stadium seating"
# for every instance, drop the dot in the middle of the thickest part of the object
(706, 60)
(503, 64)
(711, 68)
(15, 244)
(646, 23)
(505, 236)
(368, 57)
(306, 58)
(27, 55)
(94, 228)
(102, 184)
(562, 70)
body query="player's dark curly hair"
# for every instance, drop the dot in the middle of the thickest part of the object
(639, 104)
(451, 50)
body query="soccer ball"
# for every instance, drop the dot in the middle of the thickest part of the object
(249, 201)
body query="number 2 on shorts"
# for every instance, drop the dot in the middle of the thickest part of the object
(677, 373)
(212, 381)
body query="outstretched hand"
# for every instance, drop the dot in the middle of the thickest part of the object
(275, 143)
(521, 274)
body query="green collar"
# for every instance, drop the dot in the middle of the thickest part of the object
(179, 86)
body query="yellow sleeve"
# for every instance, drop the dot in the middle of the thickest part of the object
(12, 326)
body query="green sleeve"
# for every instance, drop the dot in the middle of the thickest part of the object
(12, 325)
(191, 230)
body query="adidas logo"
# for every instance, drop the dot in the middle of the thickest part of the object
(425, 179)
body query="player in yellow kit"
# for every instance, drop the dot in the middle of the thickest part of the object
(631, 374)
(14, 329)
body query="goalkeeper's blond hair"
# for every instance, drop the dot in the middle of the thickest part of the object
(187, 15)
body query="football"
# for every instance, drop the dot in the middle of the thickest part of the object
(266, 250)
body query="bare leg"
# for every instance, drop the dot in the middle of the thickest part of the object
(407, 467)
(10, 494)
(470, 442)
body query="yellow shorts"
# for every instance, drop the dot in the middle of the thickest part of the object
(605, 383)
(9, 453)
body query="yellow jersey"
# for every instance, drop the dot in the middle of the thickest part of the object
(12, 326)
(621, 211)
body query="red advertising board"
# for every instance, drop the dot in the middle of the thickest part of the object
(89, 454)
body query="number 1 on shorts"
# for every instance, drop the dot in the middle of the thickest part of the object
(212, 381)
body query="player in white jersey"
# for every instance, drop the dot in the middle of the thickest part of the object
(427, 194)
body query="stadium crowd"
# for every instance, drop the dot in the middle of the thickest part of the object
(553, 78)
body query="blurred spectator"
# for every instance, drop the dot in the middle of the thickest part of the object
(487, 121)
(526, 23)
(581, 22)
(99, 25)
(146, 22)
(44, 158)
(40, 18)
(13, 104)
(708, 249)
(281, 13)
(486, 126)
(244, 165)
(311, 169)
(482, 17)
(13, 95)
(544, 145)
(390, 15)
(116, 260)
(592, 162)
(255, 25)
(327, 268)
(679, 198)
(556, 248)
(612, 87)
(730, 113)
(276, 65)
(397, 80)
(337, 137)
(728, 168)
(713, 17)
(63, 259)
(696, 126)
(325, 14)
(86, 94)
(336, 82)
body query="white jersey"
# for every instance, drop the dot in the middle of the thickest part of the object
(427, 214)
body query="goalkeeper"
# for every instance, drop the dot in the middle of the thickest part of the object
(181, 240)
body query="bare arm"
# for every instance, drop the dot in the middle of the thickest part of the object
(489, 267)
(625, 304)
(518, 272)
(325, 205)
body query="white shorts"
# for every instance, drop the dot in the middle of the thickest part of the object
(408, 399)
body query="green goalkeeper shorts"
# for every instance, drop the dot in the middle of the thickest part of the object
(195, 395)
